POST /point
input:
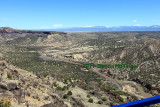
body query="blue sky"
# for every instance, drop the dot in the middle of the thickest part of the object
(50, 14)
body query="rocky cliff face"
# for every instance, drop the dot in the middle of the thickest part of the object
(7, 34)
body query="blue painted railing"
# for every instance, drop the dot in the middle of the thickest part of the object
(141, 103)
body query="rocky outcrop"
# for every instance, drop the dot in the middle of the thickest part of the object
(7, 30)
(25, 89)
(7, 34)
(10, 30)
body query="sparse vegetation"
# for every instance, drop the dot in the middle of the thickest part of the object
(73, 85)
(90, 100)
(120, 93)
(5, 103)
(59, 88)
(24, 59)
(100, 102)
(104, 99)
(55, 84)
(65, 81)
(55, 102)
(121, 99)
(45, 74)
(119, 47)
(88, 96)
(109, 88)
(69, 93)
(65, 96)
(9, 76)
(85, 88)
(64, 88)
(134, 97)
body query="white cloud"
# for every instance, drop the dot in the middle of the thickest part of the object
(52, 26)
(137, 25)
(86, 26)
(107, 26)
(135, 21)
(57, 25)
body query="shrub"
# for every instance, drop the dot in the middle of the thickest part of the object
(73, 85)
(120, 93)
(69, 93)
(70, 80)
(45, 75)
(59, 88)
(93, 93)
(109, 88)
(5, 103)
(121, 99)
(9, 76)
(90, 100)
(134, 98)
(85, 88)
(64, 88)
(65, 81)
(100, 83)
(55, 84)
(65, 96)
(88, 96)
(55, 102)
(104, 99)
(100, 102)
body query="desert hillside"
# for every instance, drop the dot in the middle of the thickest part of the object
(45, 69)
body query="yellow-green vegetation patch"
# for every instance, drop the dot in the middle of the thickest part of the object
(5, 103)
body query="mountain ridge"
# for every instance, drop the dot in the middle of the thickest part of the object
(106, 29)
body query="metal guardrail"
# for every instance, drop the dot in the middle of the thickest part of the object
(141, 103)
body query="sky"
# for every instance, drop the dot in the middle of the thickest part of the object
(51, 14)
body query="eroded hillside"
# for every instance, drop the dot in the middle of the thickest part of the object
(49, 65)
(22, 89)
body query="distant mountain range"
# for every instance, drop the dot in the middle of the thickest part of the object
(104, 29)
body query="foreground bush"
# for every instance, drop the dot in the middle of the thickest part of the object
(100, 102)
(90, 100)
(104, 99)
(69, 93)
(9, 76)
(5, 103)
(65, 96)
